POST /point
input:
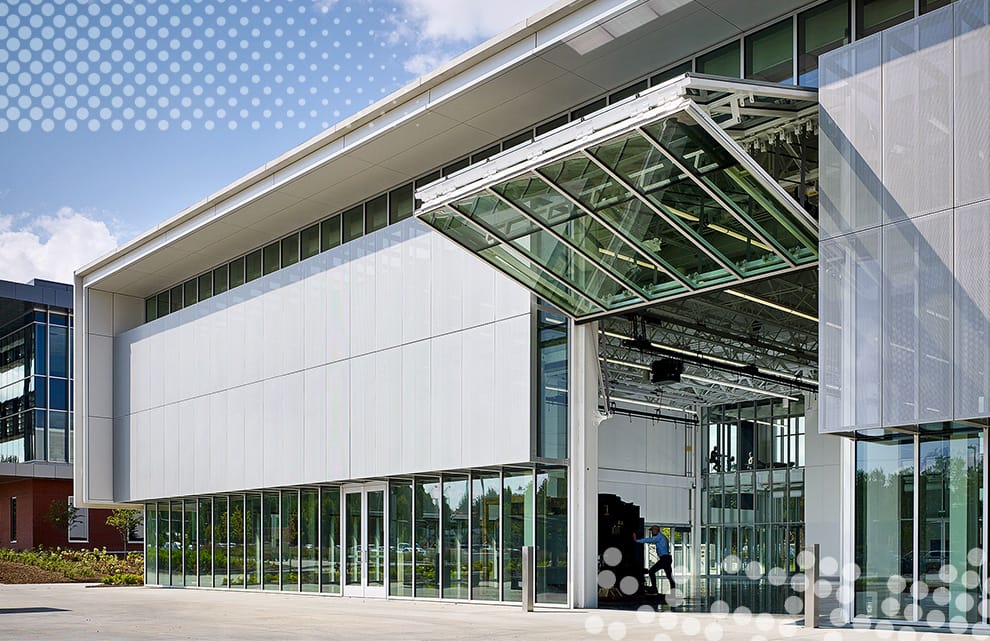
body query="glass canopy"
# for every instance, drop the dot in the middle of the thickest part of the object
(646, 200)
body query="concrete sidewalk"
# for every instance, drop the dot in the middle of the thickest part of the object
(79, 613)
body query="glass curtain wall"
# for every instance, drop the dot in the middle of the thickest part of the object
(753, 494)
(919, 524)
(453, 536)
(551, 437)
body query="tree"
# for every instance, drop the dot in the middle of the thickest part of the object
(62, 515)
(124, 521)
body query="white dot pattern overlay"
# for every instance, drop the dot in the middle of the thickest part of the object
(75, 65)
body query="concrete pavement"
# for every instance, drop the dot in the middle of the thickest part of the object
(79, 613)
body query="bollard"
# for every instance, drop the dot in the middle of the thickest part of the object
(528, 578)
(811, 580)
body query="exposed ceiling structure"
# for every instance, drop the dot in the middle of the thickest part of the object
(750, 342)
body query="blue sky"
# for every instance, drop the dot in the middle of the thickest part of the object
(117, 114)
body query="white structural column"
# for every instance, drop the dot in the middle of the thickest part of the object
(583, 454)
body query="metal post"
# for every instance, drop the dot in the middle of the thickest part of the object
(528, 578)
(811, 580)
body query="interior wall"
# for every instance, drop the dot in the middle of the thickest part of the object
(646, 462)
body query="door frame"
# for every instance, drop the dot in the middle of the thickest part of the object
(364, 590)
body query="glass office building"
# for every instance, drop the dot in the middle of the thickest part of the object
(383, 365)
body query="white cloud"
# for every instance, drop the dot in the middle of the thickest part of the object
(51, 247)
(467, 20)
(439, 30)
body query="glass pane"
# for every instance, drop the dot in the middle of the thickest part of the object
(190, 549)
(220, 279)
(252, 266)
(271, 258)
(151, 544)
(252, 544)
(551, 536)
(702, 155)
(455, 538)
(400, 532)
(884, 525)
(451, 224)
(546, 249)
(309, 551)
(950, 514)
(820, 30)
(175, 299)
(237, 532)
(290, 540)
(58, 393)
(290, 250)
(236, 268)
(58, 428)
(205, 285)
(400, 203)
(376, 213)
(669, 74)
(724, 61)
(770, 53)
(485, 536)
(551, 437)
(221, 541)
(190, 293)
(329, 233)
(873, 16)
(547, 205)
(352, 534)
(58, 351)
(163, 304)
(206, 543)
(931, 5)
(309, 242)
(270, 540)
(164, 552)
(330, 540)
(150, 309)
(427, 542)
(353, 223)
(375, 523)
(517, 529)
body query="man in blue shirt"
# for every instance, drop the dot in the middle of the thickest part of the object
(664, 558)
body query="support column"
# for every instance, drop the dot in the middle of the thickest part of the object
(583, 423)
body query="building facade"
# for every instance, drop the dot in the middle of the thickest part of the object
(567, 287)
(36, 426)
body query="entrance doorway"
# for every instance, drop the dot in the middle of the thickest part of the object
(364, 533)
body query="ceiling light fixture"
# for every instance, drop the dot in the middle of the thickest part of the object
(745, 388)
(771, 305)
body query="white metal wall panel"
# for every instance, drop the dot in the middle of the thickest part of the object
(122, 462)
(666, 448)
(417, 438)
(314, 408)
(363, 454)
(388, 287)
(338, 420)
(863, 366)
(294, 308)
(276, 339)
(478, 393)
(832, 330)
(170, 449)
(236, 472)
(254, 332)
(184, 437)
(513, 376)
(447, 280)
(201, 455)
(100, 379)
(338, 325)
(417, 280)
(362, 294)
(316, 325)
(445, 361)
(971, 95)
(387, 410)
(219, 448)
(850, 157)
(900, 324)
(272, 430)
(972, 311)
(252, 398)
(478, 299)
(917, 116)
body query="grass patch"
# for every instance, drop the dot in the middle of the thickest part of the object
(79, 565)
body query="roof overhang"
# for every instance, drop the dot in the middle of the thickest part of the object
(647, 200)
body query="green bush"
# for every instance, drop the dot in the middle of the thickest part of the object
(78, 565)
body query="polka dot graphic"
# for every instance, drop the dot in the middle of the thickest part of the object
(115, 65)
